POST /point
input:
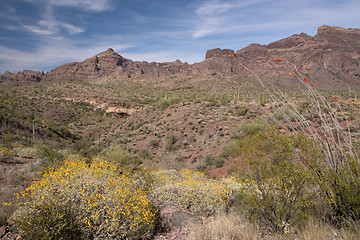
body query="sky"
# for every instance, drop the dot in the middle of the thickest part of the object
(43, 34)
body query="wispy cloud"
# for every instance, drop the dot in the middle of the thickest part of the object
(219, 7)
(233, 17)
(214, 16)
(50, 27)
(89, 5)
(53, 52)
(209, 26)
(60, 31)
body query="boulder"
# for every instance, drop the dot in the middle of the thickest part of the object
(173, 217)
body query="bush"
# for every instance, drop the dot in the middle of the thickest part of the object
(341, 190)
(50, 158)
(170, 142)
(277, 193)
(193, 191)
(241, 110)
(6, 154)
(163, 103)
(90, 201)
(119, 156)
(244, 129)
(26, 152)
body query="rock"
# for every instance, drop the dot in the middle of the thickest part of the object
(6, 235)
(331, 57)
(174, 217)
(21, 78)
(110, 62)
(218, 53)
(2, 231)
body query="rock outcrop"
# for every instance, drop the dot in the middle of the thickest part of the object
(21, 78)
(110, 62)
(331, 57)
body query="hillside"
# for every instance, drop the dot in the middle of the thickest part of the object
(218, 117)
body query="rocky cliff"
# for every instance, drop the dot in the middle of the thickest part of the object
(110, 62)
(331, 58)
(21, 78)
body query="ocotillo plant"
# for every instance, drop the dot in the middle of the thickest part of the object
(334, 140)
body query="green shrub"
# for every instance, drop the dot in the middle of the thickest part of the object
(48, 220)
(145, 154)
(89, 201)
(241, 110)
(211, 160)
(230, 149)
(244, 129)
(154, 143)
(277, 193)
(119, 156)
(50, 158)
(341, 190)
(170, 142)
(163, 103)
(262, 100)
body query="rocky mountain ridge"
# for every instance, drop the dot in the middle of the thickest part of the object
(331, 57)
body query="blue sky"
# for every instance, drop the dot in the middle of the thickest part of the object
(42, 34)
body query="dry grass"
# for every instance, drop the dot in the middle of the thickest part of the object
(317, 230)
(225, 227)
(234, 226)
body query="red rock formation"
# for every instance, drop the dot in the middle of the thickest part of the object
(331, 57)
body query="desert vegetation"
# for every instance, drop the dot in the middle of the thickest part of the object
(98, 158)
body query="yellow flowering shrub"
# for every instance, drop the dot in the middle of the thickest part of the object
(89, 201)
(193, 190)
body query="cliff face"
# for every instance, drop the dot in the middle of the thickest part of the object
(331, 57)
(110, 62)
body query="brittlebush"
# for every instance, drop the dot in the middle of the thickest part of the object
(85, 201)
(193, 191)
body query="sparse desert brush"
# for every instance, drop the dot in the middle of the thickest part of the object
(84, 201)
(193, 190)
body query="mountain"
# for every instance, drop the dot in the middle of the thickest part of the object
(110, 62)
(331, 58)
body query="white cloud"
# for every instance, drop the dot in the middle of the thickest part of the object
(89, 5)
(209, 26)
(53, 52)
(51, 27)
(38, 30)
(219, 7)
(232, 17)
(215, 15)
